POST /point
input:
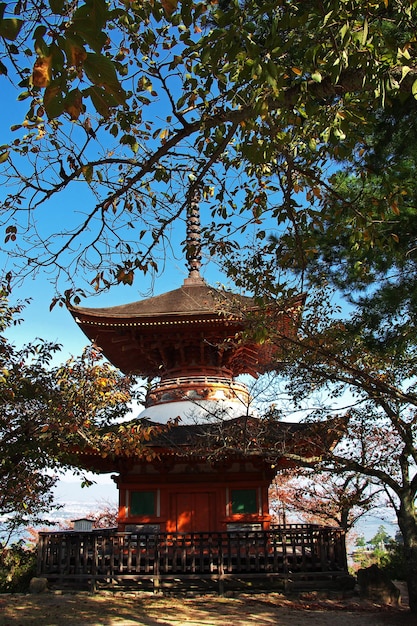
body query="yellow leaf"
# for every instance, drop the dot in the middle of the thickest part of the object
(42, 72)
(395, 209)
(76, 56)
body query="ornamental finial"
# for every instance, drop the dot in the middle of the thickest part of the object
(193, 241)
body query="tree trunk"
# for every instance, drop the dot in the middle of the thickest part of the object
(411, 556)
(408, 525)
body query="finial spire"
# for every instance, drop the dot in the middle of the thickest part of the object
(193, 241)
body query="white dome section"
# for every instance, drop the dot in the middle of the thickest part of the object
(197, 412)
(197, 399)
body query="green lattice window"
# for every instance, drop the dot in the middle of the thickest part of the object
(142, 502)
(244, 501)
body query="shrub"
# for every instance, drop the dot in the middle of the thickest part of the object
(394, 563)
(17, 567)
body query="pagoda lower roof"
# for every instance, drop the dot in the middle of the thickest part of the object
(243, 437)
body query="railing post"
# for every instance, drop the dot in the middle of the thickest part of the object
(221, 563)
(323, 551)
(156, 569)
(284, 553)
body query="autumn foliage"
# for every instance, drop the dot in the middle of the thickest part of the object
(48, 415)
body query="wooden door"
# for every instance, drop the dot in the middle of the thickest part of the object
(193, 512)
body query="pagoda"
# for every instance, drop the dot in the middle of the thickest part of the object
(191, 341)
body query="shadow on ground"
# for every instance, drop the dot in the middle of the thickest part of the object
(127, 609)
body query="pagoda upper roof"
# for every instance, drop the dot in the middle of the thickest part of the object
(193, 298)
(195, 326)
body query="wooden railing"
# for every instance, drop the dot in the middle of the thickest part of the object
(111, 555)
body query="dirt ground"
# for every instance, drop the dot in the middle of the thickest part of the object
(128, 609)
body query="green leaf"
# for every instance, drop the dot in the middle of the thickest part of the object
(4, 156)
(404, 71)
(365, 32)
(131, 141)
(88, 21)
(325, 135)
(53, 101)
(101, 99)
(344, 30)
(327, 17)
(58, 59)
(41, 47)
(414, 89)
(95, 11)
(101, 71)
(10, 28)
